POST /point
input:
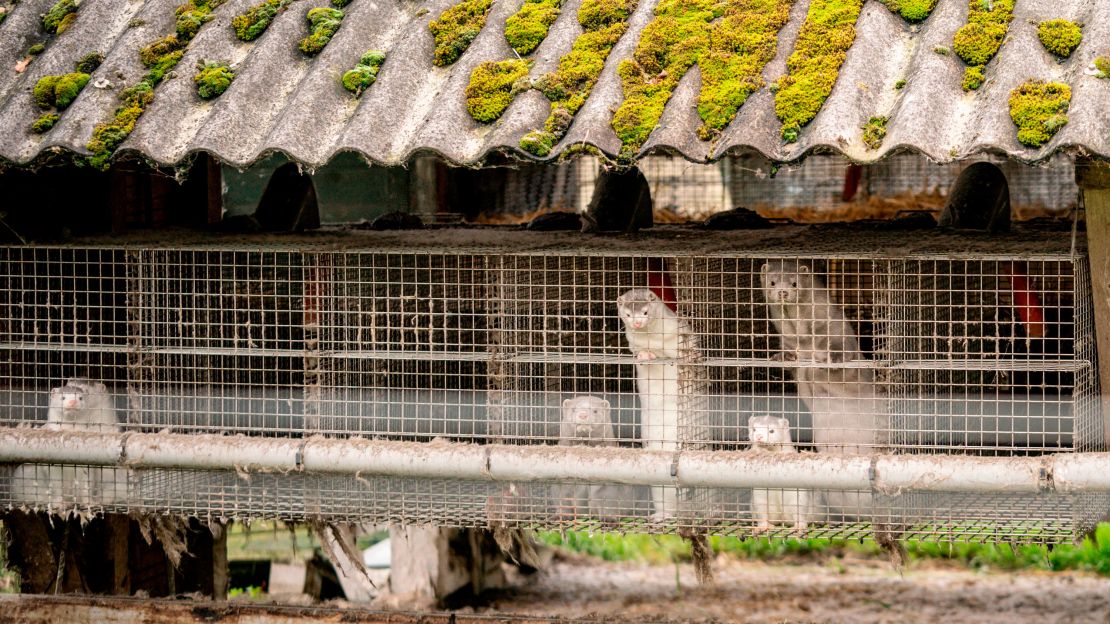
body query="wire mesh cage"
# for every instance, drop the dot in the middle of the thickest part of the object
(785, 341)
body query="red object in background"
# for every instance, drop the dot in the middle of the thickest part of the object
(852, 177)
(1026, 302)
(659, 282)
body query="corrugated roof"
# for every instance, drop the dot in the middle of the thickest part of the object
(285, 101)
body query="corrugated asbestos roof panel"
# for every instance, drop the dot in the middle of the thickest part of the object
(282, 100)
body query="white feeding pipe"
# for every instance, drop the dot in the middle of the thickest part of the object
(892, 474)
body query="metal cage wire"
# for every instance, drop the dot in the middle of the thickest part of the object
(975, 349)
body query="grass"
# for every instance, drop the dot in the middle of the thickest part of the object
(1089, 556)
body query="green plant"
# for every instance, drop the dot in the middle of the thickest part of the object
(250, 25)
(978, 41)
(456, 28)
(1039, 109)
(253, 592)
(973, 77)
(365, 73)
(1102, 66)
(900, 84)
(1059, 36)
(213, 78)
(874, 131)
(59, 91)
(90, 62)
(54, 21)
(821, 48)
(36, 49)
(493, 85)
(527, 28)
(323, 24)
(911, 10)
(45, 122)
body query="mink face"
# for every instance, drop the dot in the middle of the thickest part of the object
(786, 282)
(639, 308)
(768, 431)
(586, 418)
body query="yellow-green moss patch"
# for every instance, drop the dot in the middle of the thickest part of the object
(493, 85)
(340, 3)
(912, 10)
(213, 78)
(977, 41)
(159, 57)
(456, 28)
(60, 16)
(45, 123)
(527, 28)
(59, 91)
(1059, 36)
(1102, 66)
(874, 131)
(251, 24)
(1039, 109)
(603, 23)
(323, 23)
(36, 49)
(973, 77)
(731, 41)
(813, 67)
(363, 76)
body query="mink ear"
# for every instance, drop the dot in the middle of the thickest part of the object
(751, 420)
(783, 422)
(766, 267)
(803, 268)
(606, 403)
(566, 403)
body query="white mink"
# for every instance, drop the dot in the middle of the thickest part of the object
(82, 404)
(655, 332)
(586, 421)
(842, 400)
(771, 507)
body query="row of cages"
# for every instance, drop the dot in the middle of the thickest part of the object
(985, 355)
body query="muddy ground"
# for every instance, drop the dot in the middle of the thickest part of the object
(864, 592)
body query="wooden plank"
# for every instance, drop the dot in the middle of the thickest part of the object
(1093, 177)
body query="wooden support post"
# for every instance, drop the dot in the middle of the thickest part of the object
(1093, 178)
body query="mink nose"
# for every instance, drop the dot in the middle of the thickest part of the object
(70, 403)
(783, 295)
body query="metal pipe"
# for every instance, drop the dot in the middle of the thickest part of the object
(892, 474)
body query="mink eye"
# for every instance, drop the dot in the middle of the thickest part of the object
(772, 282)
(771, 431)
(793, 284)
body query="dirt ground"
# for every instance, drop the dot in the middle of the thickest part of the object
(862, 592)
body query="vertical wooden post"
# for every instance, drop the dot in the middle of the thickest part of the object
(1093, 178)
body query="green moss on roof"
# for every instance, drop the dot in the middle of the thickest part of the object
(45, 122)
(456, 28)
(363, 75)
(973, 77)
(323, 23)
(213, 78)
(912, 10)
(874, 131)
(59, 91)
(340, 3)
(90, 62)
(603, 23)
(977, 41)
(744, 41)
(3, 14)
(1102, 66)
(813, 67)
(731, 41)
(190, 18)
(527, 28)
(36, 49)
(159, 57)
(54, 17)
(250, 25)
(1059, 36)
(493, 85)
(1039, 109)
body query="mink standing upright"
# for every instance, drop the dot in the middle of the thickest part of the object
(655, 332)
